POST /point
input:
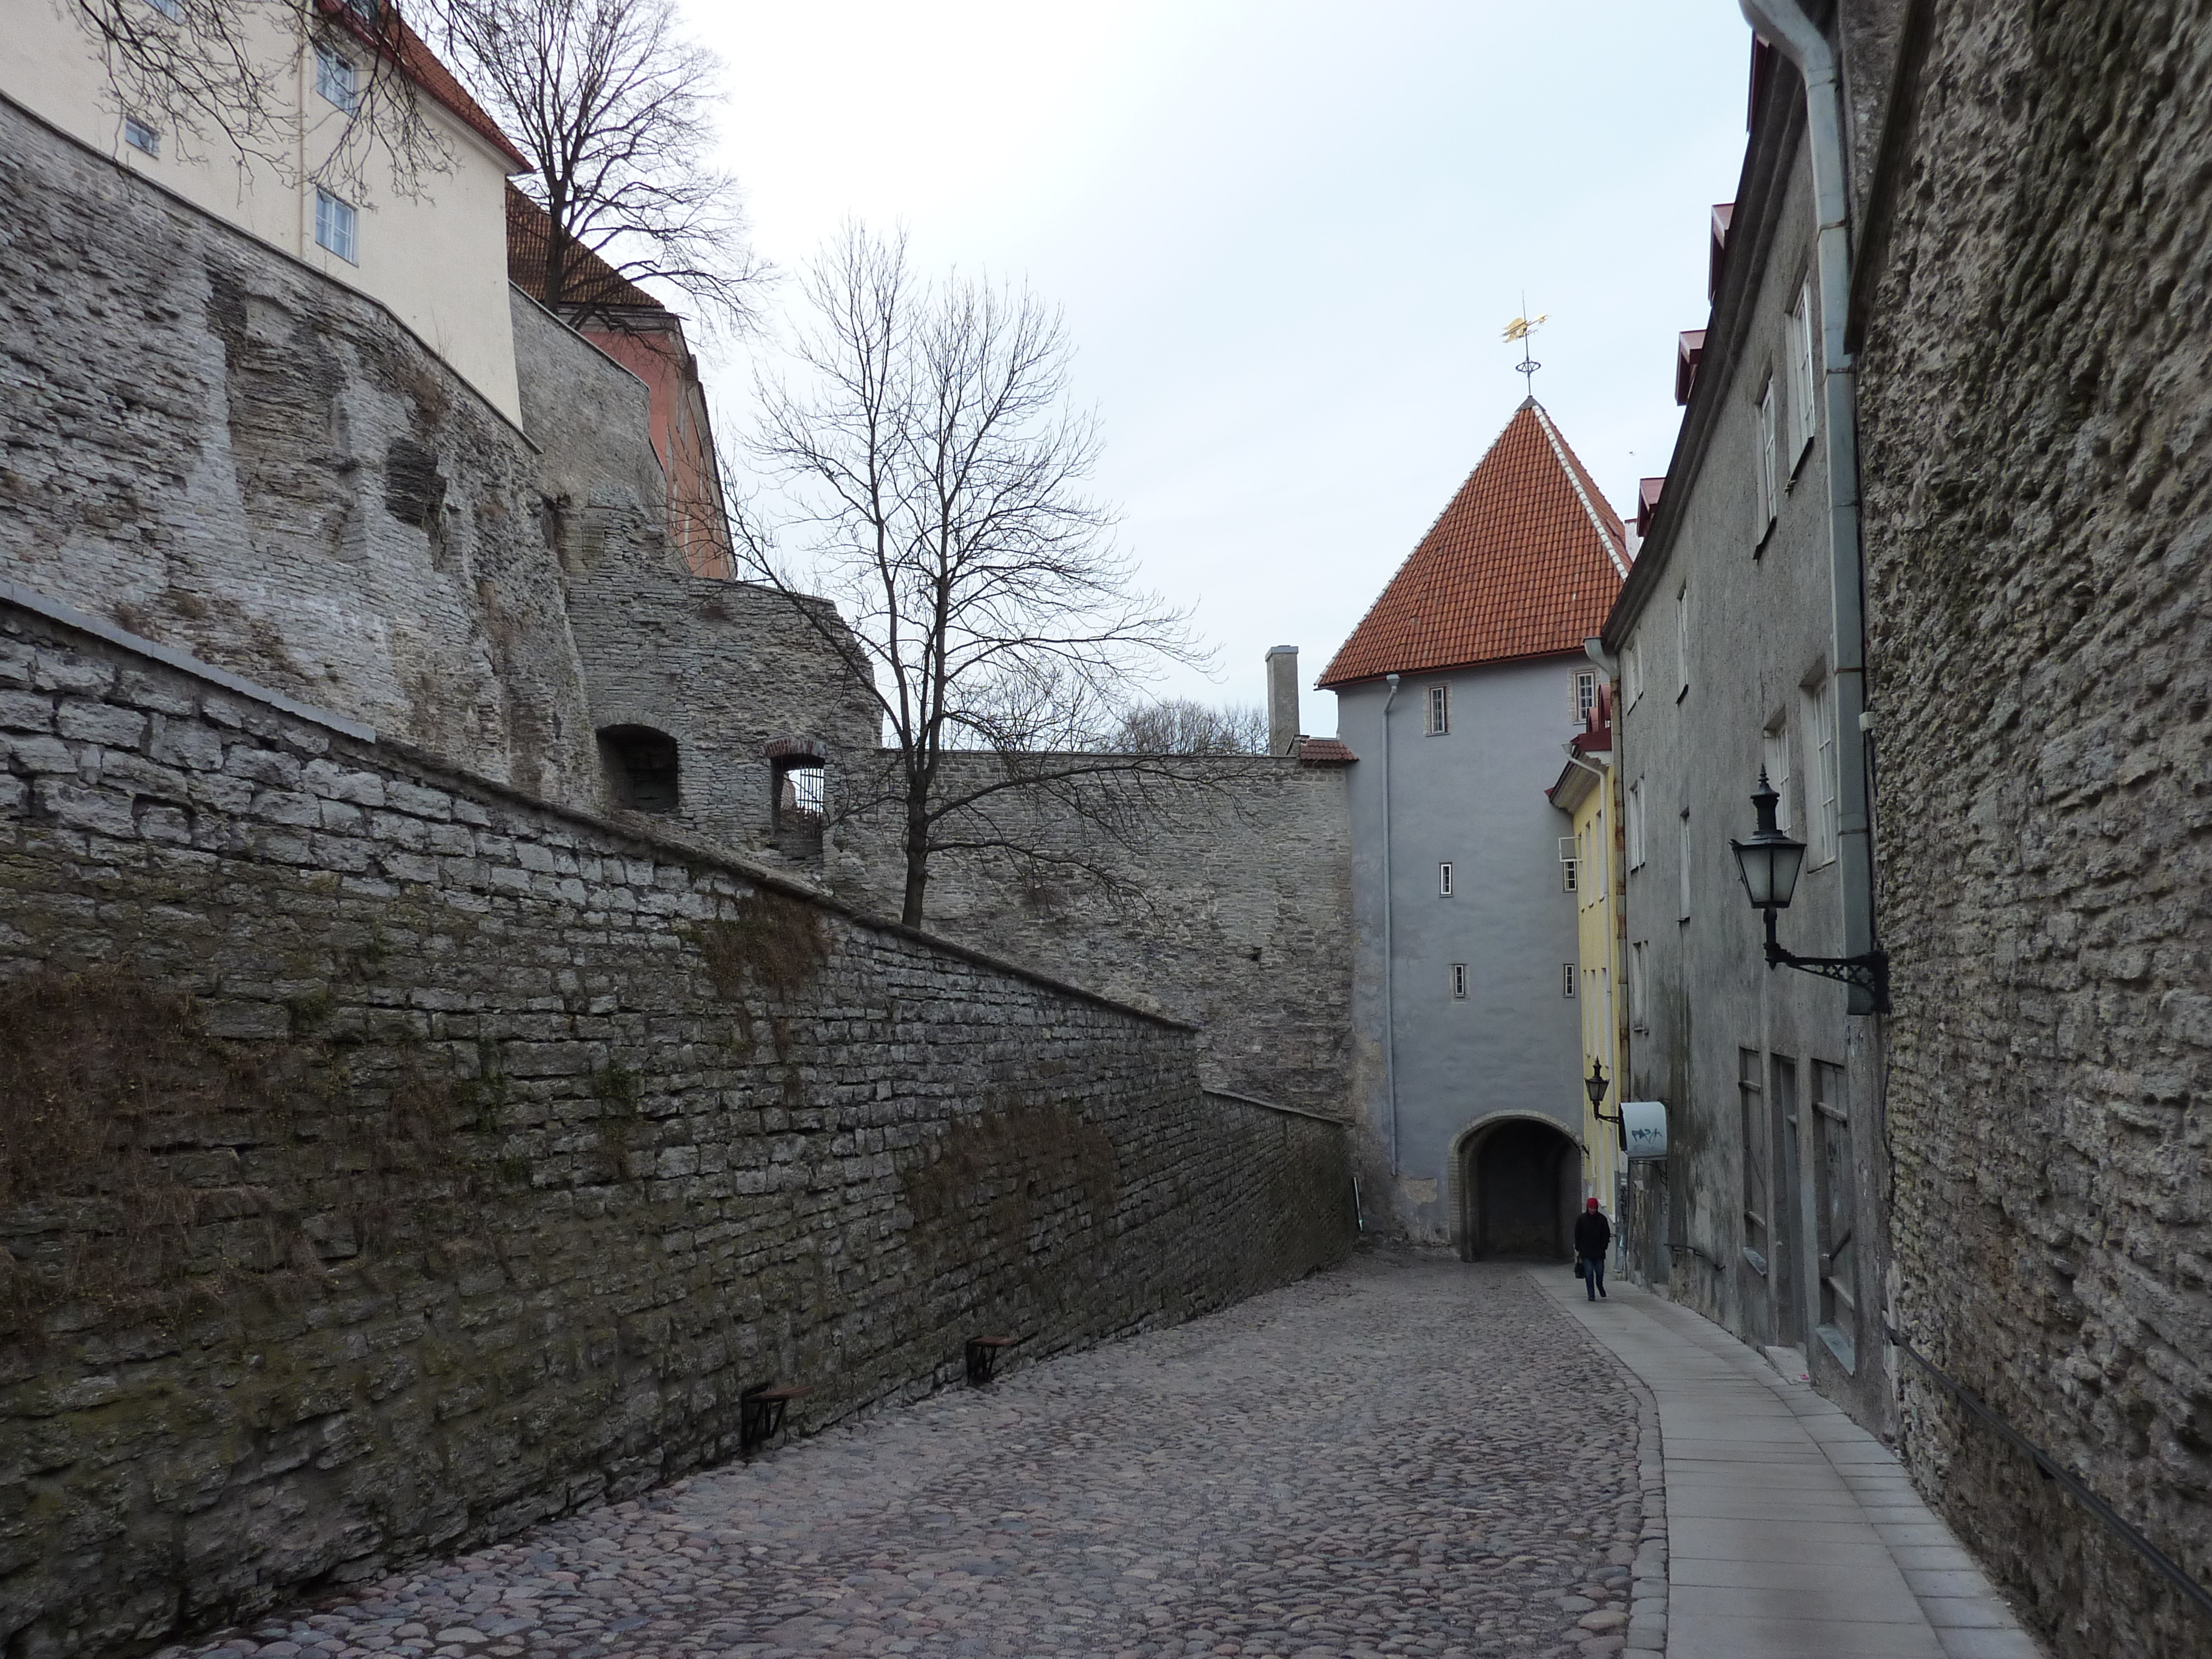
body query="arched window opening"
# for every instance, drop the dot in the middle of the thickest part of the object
(641, 768)
(798, 796)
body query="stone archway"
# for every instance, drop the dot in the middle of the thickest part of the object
(1518, 1181)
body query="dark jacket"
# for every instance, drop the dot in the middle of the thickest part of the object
(1593, 1233)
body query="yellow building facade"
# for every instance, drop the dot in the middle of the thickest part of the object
(1588, 792)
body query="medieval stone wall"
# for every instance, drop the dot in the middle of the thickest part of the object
(393, 1161)
(216, 446)
(2036, 405)
(1220, 896)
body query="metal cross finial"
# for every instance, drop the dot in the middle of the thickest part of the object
(1520, 329)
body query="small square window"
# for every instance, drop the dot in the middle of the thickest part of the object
(335, 226)
(139, 136)
(1444, 880)
(336, 79)
(171, 9)
(1439, 710)
(1567, 978)
(1459, 980)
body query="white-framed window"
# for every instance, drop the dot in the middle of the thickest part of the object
(171, 9)
(1819, 700)
(1801, 409)
(1682, 638)
(141, 136)
(1567, 979)
(1769, 443)
(1459, 982)
(1639, 988)
(336, 226)
(337, 78)
(1585, 695)
(1774, 756)
(1631, 674)
(1636, 824)
(1444, 880)
(1683, 910)
(1439, 710)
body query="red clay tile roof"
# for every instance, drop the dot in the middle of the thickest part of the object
(1524, 562)
(1324, 751)
(390, 33)
(591, 280)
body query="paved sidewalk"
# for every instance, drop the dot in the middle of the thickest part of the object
(1409, 1455)
(1792, 1533)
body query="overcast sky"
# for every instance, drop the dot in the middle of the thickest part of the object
(1286, 235)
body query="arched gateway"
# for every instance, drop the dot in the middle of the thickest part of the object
(1519, 1179)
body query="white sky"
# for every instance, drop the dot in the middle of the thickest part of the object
(1286, 236)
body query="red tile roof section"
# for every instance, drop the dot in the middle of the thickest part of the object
(591, 280)
(1324, 751)
(426, 69)
(1524, 562)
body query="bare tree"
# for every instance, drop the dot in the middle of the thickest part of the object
(938, 481)
(612, 107)
(209, 72)
(1180, 725)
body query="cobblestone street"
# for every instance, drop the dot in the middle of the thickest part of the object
(1406, 1455)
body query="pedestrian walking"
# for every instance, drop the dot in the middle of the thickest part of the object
(1593, 1238)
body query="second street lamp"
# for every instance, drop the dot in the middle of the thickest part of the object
(1593, 1085)
(1769, 865)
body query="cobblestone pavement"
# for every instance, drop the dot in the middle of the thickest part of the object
(1406, 1455)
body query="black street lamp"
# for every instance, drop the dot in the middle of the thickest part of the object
(1769, 864)
(1593, 1085)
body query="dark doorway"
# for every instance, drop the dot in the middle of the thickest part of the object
(1522, 1180)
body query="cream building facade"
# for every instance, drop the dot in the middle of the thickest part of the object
(329, 190)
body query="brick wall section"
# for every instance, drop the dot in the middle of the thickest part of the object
(496, 1150)
(2039, 489)
(1230, 906)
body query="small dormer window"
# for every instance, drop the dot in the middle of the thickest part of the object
(642, 769)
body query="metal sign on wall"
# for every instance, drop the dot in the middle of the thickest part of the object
(1644, 1125)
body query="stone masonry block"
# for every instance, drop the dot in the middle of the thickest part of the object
(84, 721)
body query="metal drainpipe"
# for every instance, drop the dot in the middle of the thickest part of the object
(1390, 962)
(1784, 23)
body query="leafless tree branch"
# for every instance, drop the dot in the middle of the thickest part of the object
(935, 483)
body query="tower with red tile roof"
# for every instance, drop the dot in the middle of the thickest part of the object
(1461, 683)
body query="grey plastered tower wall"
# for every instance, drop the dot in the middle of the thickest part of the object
(1773, 1190)
(1474, 797)
(1283, 728)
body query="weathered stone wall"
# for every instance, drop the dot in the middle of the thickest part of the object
(2036, 390)
(216, 446)
(391, 1161)
(1223, 898)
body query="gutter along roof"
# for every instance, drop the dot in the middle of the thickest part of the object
(1524, 561)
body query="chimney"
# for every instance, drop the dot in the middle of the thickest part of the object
(1283, 700)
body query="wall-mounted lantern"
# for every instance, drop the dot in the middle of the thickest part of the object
(1769, 864)
(1593, 1085)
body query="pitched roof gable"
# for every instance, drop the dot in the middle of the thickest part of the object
(1524, 561)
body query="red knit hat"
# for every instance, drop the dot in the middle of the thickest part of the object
(1589, 1204)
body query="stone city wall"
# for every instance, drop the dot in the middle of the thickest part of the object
(1226, 902)
(2036, 410)
(392, 1162)
(214, 446)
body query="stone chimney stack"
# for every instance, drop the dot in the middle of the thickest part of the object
(1283, 700)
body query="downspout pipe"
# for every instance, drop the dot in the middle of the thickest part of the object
(1390, 962)
(1784, 23)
